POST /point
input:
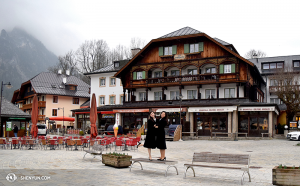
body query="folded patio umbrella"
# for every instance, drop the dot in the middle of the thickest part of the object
(93, 117)
(34, 117)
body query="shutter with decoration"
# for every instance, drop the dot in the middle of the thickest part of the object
(232, 68)
(134, 75)
(221, 69)
(161, 51)
(144, 74)
(174, 49)
(186, 48)
(201, 47)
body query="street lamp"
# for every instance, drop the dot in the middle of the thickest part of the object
(180, 97)
(8, 85)
(63, 133)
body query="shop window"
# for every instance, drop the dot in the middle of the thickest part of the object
(73, 114)
(263, 123)
(222, 123)
(253, 123)
(55, 99)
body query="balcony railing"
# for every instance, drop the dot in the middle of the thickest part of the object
(186, 79)
(29, 106)
(41, 117)
(273, 89)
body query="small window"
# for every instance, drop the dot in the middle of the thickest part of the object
(75, 101)
(121, 100)
(102, 82)
(192, 71)
(55, 99)
(139, 75)
(158, 74)
(273, 82)
(174, 72)
(72, 87)
(210, 93)
(229, 92)
(194, 48)
(210, 70)
(192, 94)
(266, 66)
(117, 64)
(279, 65)
(142, 96)
(157, 95)
(112, 81)
(168, 51)
(296, 63)
(272, 65)
(227, 68)
(112, 100)
(28, 90)
(174, 95)
(54, 112)
(102, 100)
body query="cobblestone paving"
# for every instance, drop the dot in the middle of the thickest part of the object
(68, 167)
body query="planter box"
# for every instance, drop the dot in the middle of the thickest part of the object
(288, 176)
(116, 161)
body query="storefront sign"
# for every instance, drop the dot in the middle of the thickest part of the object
(293, 124)
(8, 126)
(22, 124)
(169, 109)
(108, 116)
(179, 57)
(131, 110)
(256, 108)
(212, 109)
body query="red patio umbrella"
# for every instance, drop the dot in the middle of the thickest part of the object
(34, 117)
(93, 117)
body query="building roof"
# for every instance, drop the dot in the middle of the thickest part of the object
(221, 41)
(10, 110)
(110, 68)
(181, 32)
(51, 83)
(85, 104)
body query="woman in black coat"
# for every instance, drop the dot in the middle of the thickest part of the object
(150, 137)
(160, 132)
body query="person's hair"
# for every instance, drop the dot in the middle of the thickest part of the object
(150, 115)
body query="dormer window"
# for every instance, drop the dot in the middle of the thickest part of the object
(167, 51)
(72, 87)
(193, 48)
(117, 64)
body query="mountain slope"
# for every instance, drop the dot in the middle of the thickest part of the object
(21, 57)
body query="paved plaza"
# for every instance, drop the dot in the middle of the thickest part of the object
(68, 168)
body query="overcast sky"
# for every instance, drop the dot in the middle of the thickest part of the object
(268, 25)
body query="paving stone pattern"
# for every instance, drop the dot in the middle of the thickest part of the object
(68, 167)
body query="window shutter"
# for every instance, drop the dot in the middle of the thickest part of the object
(161, 51)
(174, 49)
(221, 69)
(143, 75)
(201, 46)
(186, 48)
(134, 75)
(232, 68)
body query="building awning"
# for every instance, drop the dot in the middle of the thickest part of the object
(61, 118)
(259, 109)
(169, 109)
(213, 109)
(85, 112)
(130, 110)
(107, 112)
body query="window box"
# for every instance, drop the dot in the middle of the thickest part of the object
(115, 160)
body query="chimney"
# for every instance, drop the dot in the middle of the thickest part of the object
(67, 72)
(59, 71)
(134, 51)
(64, 80)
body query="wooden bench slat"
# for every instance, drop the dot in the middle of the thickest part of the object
(195, 165)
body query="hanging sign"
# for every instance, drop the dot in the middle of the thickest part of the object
(8, 126)
(179, 57)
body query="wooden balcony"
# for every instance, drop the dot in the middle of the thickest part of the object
(41, 117)
(185, 80)
(41, 104)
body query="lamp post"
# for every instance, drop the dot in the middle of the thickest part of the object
(180, 97)
(63, 133)
(8, 85)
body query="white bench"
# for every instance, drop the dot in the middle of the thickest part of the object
(225, 161)
(96, 151)
(145, 160)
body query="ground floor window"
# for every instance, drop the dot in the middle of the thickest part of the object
(253, 123)
(207, 122)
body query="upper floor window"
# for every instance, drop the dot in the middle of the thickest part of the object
(157, 95)
(54, 112)
(296, 63)
(174, 95)
(227, 68)
(273, 65)
(112, 100)
(112, 81)
(193, 48)
(102, 82)
(275, 100)
(192, 94)
(158, 74)
(174, 72)
(210, 70)
(101, 100)
(28, 90)
(210, 93)
(167, 50)
(75, 101)
(142, 96)
(55, 99)
(273, 82)
(117, 64)
(139, 75)
(229, 92)
(121, 99)
(192, 71)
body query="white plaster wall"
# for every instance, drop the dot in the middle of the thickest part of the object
(107, 90)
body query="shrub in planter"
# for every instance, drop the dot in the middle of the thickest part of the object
(283, 175)
(81, 133)
(116, 159)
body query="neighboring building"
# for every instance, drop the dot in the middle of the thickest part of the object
(10, 115)
(267, 67)
(54, 91)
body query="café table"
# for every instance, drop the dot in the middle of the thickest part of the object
(52, 144)
(125, 147)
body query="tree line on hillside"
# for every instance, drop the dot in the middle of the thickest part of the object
(92, 55)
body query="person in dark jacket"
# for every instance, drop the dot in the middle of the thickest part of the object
(160, 132)
(150, 137)
(16, 130)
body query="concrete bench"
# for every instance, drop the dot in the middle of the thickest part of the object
(145, 160)
(215, 133)
(262, 134)
(96, 151)
(224, 161)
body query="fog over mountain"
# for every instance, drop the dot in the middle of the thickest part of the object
(21, 57)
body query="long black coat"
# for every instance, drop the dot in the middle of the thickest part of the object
(150, 137)
(161, 140)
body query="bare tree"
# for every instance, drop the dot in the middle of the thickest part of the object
(287, 88)
(66, 62)
(137, 42)
(255, 54)
(92, 55)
